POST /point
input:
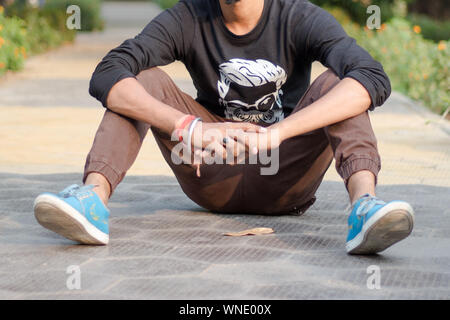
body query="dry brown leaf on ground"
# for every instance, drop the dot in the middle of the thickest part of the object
(250, 232)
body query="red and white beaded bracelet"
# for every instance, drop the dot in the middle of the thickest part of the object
(179, 129)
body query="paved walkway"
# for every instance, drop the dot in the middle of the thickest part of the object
(164, 246)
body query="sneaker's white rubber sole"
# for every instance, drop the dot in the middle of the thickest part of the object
(58, 216)
(392, 223)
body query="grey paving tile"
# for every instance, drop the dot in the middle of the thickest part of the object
(40, 260)
(51, 281)
(304, 290)
(120, 248)
(174, 249)
(189, 237)
(228, 254)
(178, 288)
(166, 220)
(68, 295)
(145, 267)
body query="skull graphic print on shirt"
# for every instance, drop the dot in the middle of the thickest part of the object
(250, 90)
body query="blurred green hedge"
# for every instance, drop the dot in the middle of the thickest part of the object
(55, 12)
(13, 42)
(416, 66)
(431, 29)
(356, 10)
(30, 32)
(26, 30)
(165, 3)
(90, 12)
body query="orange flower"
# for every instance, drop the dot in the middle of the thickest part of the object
(442, 46)
(2, 65)
(1, 27)
(1, 9)
(23, 51)
(383, 26)
(384, 50)
(425, 76)
(2, 41)
(417, 29)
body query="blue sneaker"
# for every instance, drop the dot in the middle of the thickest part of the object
(76, 213)
(375, 225)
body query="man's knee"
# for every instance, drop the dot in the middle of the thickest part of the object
(326, 81)
(154, 80)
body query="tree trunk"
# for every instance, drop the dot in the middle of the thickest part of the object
(438, 9)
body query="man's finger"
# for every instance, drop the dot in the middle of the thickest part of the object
(250, 127)
(214, 151)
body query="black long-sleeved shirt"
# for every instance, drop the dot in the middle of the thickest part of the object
(256, 77)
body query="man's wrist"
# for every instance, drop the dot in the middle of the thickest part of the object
(282, 130)
(182, 125)
(191, 132)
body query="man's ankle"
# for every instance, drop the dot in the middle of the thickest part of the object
(101, 194)
(101, 186)
(359, 184)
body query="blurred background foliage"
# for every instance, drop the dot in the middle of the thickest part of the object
(32, 27)
(412, 44)
(166, 3)
(432, 16)
(417, 67)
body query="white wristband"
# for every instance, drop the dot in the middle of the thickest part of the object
(190, 132)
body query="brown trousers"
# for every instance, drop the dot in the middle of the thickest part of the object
(303, 160)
